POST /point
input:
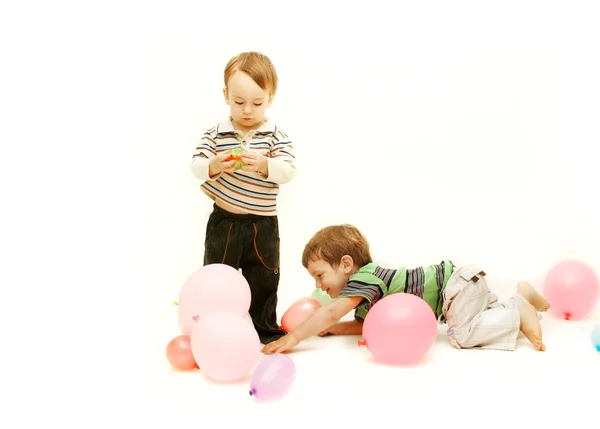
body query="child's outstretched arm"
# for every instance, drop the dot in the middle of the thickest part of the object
(351, 327)
(319, 321)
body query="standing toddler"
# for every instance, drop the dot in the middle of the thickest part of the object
(242, 230)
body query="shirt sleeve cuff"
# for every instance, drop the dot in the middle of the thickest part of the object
(280, 172)
(200, 166)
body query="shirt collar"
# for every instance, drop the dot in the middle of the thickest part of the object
(267, 127)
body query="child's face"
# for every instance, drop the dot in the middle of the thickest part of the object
(247, 100)
(329, 279)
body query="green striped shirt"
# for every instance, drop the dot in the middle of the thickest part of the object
(373, 282)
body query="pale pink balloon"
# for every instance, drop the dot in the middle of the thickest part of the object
(273, 377)
(399, 329)
(571, 288)
(298, 313)
(214, 287)
(179, 353)
(225, 346)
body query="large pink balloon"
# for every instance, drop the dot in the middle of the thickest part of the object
(298, 313)
(214, 287)
(571, 288)
(399, 329)
(225, 346)
(272, 377)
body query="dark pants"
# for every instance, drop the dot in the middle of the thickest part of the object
(249, 242)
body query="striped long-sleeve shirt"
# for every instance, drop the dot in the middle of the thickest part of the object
(373, 282)
(250, 192)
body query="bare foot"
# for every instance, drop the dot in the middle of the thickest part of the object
(530, 326)
(530, 294)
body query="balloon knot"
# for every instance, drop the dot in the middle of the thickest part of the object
(175, 303)
(567, 316)
(361, 343)
(252, 392)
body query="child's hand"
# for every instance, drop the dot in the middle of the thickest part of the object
(332, 330)
(283, 344)
(255, 162)
(219, 165)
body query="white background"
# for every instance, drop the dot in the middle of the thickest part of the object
(461, 130)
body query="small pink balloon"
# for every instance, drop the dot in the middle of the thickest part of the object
(273, 377)
(179, 353)
(225, 346)
(399, 329)
(298, 313)
(571, 288)
(214, 287)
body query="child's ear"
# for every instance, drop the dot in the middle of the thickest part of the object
(226, 95)
(347, 263)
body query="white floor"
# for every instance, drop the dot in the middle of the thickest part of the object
(100, 369)
(338, 381)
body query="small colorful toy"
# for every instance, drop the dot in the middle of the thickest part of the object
(236, 154)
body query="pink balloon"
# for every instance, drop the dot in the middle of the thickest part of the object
(179, 353)
(214, 287)
(273, 377)
(225, 346)
(298, 313)
(399, 329)
(571, 288)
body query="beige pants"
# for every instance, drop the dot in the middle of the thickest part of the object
(474, 316)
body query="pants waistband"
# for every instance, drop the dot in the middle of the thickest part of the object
(239, 217)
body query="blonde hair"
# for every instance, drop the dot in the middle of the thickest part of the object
(258, 66)
(335, 241)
